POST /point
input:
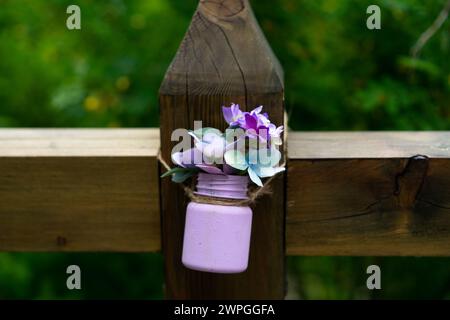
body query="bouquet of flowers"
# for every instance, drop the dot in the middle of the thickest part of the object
(248, 146)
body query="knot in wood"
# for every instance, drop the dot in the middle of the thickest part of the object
(222, 8)
(409, 182)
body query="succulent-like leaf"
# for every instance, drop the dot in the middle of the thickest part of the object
(236, 159)
(254, 177)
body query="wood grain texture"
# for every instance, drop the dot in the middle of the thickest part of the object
(79, 190)
(223, 58)
(373, 144)
(369, 193)
(93, 190)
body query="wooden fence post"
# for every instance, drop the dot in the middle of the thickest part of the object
(223, 58)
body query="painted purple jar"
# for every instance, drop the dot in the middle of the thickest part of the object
(217, 237)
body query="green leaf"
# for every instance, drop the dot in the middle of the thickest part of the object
(180, 174)
(180, 177)
(420, 65)
(173, 171)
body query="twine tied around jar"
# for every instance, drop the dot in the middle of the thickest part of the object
(252, 195)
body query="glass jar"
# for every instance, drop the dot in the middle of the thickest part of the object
(217, 237)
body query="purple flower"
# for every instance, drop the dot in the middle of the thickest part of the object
(262, 119)
(211, 144)
(233, 115)
(207, 154)
(251, 121)
(254, 128)
(191, 159)
(262, 126)
(214, 154)
(275, 133)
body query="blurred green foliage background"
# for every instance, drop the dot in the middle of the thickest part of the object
(339, 76)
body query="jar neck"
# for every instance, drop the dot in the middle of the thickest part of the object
(222, 186)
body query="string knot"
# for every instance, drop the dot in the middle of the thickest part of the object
(252, 195)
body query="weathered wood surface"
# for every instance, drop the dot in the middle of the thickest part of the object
(369, 193)
(94, 190)
(372, 144)
(79, 190)
(223, 58)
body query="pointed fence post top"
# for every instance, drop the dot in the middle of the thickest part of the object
(224, 50)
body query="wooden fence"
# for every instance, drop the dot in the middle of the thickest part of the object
(347, 193)
(344, 193)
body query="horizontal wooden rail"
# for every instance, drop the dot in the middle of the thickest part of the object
(368, 193)
(353, 193)
(79, 190)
